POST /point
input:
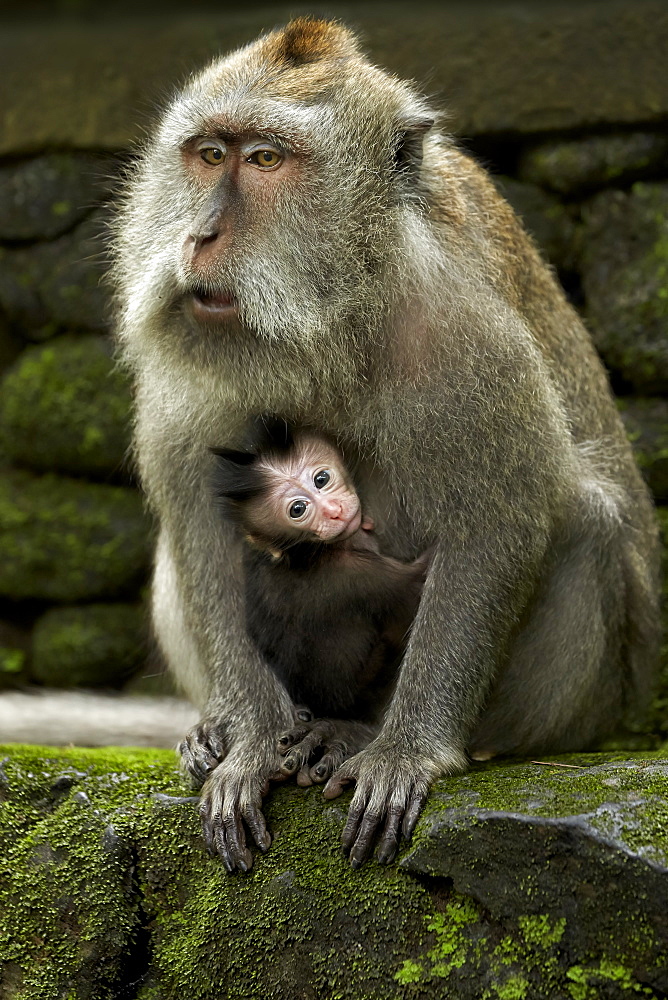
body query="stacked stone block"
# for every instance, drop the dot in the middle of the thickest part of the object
(74, 538)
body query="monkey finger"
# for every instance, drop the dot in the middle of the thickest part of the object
(255, 821)
(326, 767)
(220, 849)
(304, 779)
(208, 832)
(235, 842)
(336, 784)
(389, 839)
(197, 759)
(349, 834)
(289, 738)
(413, 810)
(361, 849)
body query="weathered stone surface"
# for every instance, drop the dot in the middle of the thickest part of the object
(625, 280)
(112, 838)
(64, 540)
(548, 221)
(571, 166)
(586, 845)
(500, 66)
(89, 646)
(646, 423)
(43, 197)
(51, 286)
(68, 909)
(65, 406)
(85, 718)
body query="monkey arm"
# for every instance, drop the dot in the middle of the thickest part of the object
(199, 623)
(446, 672)
(495, 531)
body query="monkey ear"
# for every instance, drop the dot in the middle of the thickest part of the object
(408, 150)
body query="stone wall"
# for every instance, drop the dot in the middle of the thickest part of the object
(566, 103)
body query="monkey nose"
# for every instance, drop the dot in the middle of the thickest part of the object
(332, 509)
(196, 242)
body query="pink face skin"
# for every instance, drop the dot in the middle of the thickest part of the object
(243, 168)
(311, 494)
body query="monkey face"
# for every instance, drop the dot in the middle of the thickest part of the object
(271, 202)
(308, 495)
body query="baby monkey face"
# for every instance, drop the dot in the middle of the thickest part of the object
(309, 493)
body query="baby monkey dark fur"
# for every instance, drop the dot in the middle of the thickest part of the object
(328, 611)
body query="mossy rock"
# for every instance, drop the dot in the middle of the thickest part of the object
(546, 218)
(89, 646)
(646, 423)
(65, 406)
(106, 890)
(43, 197)
(53, 286)
(625, 281)
(572, 166)
(67, 541)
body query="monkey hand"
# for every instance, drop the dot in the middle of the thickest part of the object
(203, 748)
(232, 797)
(314, 749)
(391, 789)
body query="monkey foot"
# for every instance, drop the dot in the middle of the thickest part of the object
(314, 750)
(203, 748)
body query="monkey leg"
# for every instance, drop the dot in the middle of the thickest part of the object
(315, 750)
(572, 669)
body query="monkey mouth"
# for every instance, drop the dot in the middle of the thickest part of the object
(214, 306)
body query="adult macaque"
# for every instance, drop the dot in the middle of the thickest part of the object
(298, 237)
(328, 612)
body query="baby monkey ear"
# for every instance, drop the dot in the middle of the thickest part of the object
(408, 151)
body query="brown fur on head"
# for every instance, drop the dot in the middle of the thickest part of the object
(307, 40)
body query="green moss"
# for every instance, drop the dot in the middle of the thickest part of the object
(66, 407)
(99, 844)
(12, 661)
(88, 646)
(64, 540)
(585, 982)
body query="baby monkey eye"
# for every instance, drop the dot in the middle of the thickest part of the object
(265, 158)
(297, 509)
(321, 478)
(212, 155)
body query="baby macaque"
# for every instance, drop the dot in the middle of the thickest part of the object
(327, 610)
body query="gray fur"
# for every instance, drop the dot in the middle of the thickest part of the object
(413, 322)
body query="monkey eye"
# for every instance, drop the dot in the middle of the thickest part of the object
(321, 478)
(297, 509)
(265, 158)
(213, 155)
